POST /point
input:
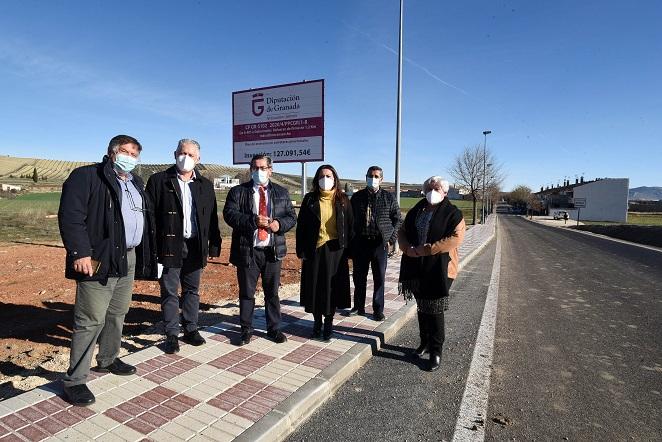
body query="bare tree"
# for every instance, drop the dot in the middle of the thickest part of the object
(473, 168)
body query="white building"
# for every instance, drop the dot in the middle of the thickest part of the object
(10, 187)
(605, 199)
(225, 182)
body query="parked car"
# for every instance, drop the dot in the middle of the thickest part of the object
(561, 214)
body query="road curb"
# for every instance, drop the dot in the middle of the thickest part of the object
(301, 404)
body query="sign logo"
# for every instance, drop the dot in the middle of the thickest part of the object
(258, 106)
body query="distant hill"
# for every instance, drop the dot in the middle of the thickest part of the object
(645, 193)
(52, 173)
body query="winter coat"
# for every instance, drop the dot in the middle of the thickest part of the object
(165, 192)
(427, 275)
(309, 223)
(238, 213)
(387, 213)
(91, 224)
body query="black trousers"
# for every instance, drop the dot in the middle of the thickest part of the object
(265, 265)
(432, 329)
(188, 276)
(369, 253)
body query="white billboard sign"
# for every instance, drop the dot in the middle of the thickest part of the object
(285, 122)
(580, 202)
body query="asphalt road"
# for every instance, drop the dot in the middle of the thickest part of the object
(578, 346)
(577, 352)
(392, 398)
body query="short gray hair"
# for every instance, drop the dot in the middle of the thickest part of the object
(184, 141)
(436, 183)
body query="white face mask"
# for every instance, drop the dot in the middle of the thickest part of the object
(185, 163)
(434, 197)
(326, 183)
(260, 177)
(373, 182)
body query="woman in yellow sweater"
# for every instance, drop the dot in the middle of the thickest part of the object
(323, 235)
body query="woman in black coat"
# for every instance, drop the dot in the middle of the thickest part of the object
(323, 234)
(429, 238)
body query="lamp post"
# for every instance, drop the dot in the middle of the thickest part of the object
(398, 125)
(482, 203)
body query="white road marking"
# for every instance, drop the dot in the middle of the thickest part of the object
(470, 425)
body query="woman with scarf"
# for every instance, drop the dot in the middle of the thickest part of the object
(429, 238)
(323, 234)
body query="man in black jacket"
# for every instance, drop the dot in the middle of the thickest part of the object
(260, 212)
(187, 232)
(108, 233)
(376, 222)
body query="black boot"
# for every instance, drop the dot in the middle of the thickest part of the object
(328, 327)
(435, 361)
(317, 328)
(423, 329)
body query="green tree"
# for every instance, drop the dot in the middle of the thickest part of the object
(35, 176)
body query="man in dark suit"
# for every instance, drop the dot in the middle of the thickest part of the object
(260, 212)
(187, 232)
(376, 222)
(108, 233)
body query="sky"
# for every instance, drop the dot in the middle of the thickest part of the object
(568, 88)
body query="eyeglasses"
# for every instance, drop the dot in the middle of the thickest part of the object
(129, 198)
(263, 168)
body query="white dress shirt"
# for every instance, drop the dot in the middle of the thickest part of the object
(188, 206)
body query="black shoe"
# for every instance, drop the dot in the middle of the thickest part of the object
(117, 367)
(78, 395)
(421, 350)
(356, 312)
(277, 336)
(245, 338)
(328, 328)
(193, 338)
(171, 344)
(435, 362)
(378, 316)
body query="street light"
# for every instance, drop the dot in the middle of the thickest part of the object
(482, 211)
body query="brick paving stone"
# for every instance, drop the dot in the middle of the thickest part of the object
(165, 412)
(131, 408)
(117, 415)
(4, 430)
(143, 402)
(13, 422)
(221, 404)
(48, 407)
(241, 370)
(12, 438)
(231, 398)
(154, 419)
(186, 400)
(51, 426)
(140, 426)
(67, 418)
(247, 414)
(33, 433)
(254, 406)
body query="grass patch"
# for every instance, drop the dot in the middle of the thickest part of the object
(30, 217)
(634, 218)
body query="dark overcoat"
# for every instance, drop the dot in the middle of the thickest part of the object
(163, 188)
(91, 224)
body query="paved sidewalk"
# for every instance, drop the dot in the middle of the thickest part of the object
(219, 391)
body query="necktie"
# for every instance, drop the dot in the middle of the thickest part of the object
(262, 233)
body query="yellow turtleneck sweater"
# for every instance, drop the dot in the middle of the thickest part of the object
(328, 230)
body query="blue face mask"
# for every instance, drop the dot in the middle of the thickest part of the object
(373, 182)
(125, 163)
(260, 177)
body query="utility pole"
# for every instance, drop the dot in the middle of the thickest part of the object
(485, 133)
(398, 134)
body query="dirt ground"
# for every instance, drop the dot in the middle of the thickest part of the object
(36, 304)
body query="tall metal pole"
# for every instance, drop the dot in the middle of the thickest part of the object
(303, 178)
(399, 111)
(482, 203)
